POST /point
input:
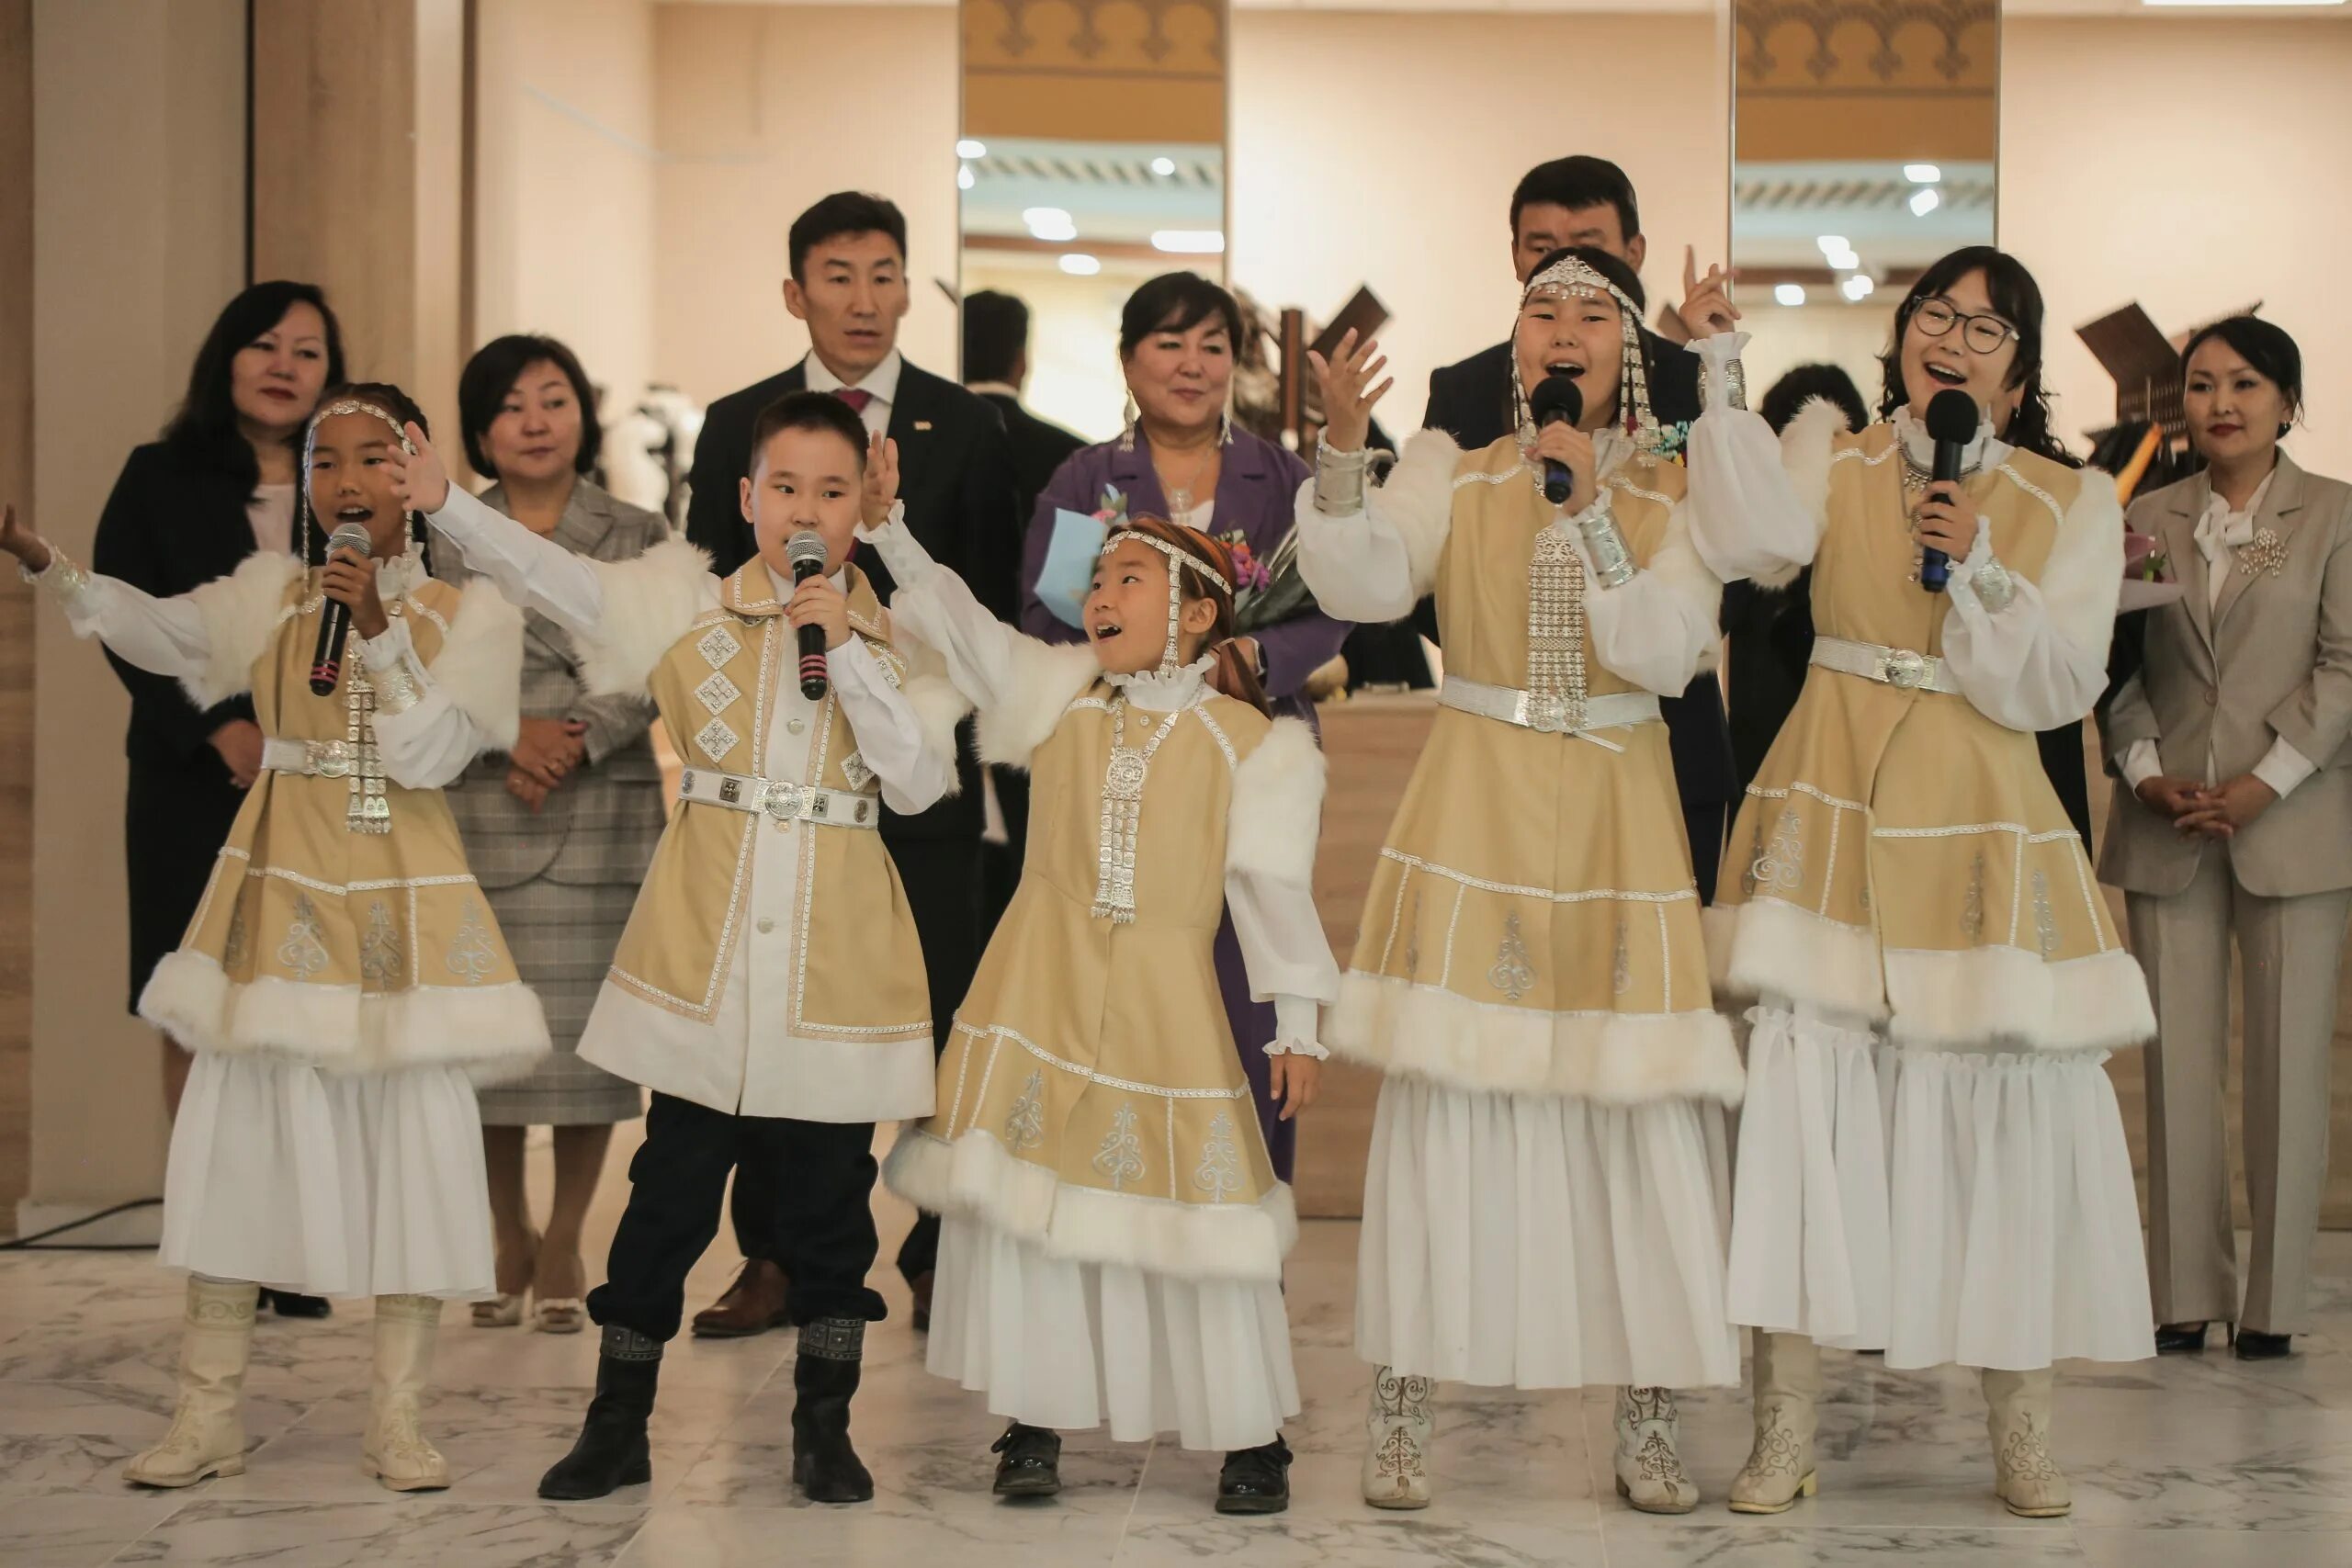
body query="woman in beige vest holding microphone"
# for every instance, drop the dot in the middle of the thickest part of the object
(2229, 819)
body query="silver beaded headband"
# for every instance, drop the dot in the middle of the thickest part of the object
(310, 445)
(1176, 556)
(1572, 277)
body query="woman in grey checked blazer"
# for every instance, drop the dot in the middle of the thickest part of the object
(559, 832)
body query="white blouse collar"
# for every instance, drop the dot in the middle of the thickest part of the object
(1984, 452)
(1155, 693)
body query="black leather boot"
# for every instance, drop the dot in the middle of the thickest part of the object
(1031, 1465)
(1255, 1481)
(824, 1376)
(612, 1451)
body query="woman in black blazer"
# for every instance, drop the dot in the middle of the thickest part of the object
(186, 510)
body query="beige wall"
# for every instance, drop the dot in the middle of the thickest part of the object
(762, 109)
(1382, 148)
(139, 239)
(2196, 164)
(565, 180)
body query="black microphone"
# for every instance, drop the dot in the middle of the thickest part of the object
(806, 551)
(334, 623)
(1557, 397)
(1952, 417)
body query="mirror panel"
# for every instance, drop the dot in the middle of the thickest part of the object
(1864, 145)
(1092, 156)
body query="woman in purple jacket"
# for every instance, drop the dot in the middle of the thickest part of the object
(1180, 459)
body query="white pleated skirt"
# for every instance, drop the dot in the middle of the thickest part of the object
(1945, 1207)
(328, 1184)
(1544, 1241)
(1055, 1342)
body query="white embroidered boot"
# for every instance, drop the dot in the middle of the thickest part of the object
(1779, 1468)
(208, 1435)
(1649, 1467)
(395, 1450)
(2018, 1414)
(1396, 1452)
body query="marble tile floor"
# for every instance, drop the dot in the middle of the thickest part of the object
(2200, 1461)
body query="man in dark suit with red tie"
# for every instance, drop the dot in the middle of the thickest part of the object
(1589, 201)
(848, 282)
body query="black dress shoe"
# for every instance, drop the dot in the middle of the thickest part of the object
(2180, 1338)
(1031, 1465)
(612, 1451)
(1255, 1481)
(286, 1304)
(2253, 1345)
(921, 1284)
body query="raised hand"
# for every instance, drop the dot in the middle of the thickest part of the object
(22, 542)
(1706, 309)
(881, 481)
(423, 481)
(1342, 380)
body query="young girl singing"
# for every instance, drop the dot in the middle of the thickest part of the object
(1544, 1199)
(1113, 1233)
(1931, 1161)
(343, 986)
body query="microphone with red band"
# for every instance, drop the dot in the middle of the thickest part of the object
(1952, 417)
(806, 552)
(334, 621)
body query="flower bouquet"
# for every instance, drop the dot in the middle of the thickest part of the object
(2148, 580)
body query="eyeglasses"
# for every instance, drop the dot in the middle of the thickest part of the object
(1982, 335)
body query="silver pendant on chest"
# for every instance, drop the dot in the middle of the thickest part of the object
(368, 811)
(1122, 818)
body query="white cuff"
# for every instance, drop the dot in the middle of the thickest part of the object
(1295, 1019)
(2283, 768)
(1718, 356)
(2140, 763)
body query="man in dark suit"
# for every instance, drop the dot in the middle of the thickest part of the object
(1589, 201)
(996, 366)
(848, 282)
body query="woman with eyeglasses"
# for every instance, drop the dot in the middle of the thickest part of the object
(2233, 791)
(1931, 1161)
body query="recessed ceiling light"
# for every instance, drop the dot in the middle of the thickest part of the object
(964, 177)
(1926, 200)
(1049, 222)
(1923, 173)
(1844, 261)
(1857, 287)
(1163, 167)
(1832, 243)
(1788, 293)
(967, 148)
(1078, 264)
(1188, 242)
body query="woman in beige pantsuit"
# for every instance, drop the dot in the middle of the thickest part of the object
(2232, 816)
(561, 829)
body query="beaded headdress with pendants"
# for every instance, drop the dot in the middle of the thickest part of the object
(1573, 277)
(309, 449)
(1171, 657)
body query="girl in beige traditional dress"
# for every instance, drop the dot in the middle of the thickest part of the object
(1113, 1233)
(343, 985)
(1545, 1204)
(1931, 1162)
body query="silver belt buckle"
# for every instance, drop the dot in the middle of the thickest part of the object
(1904, 669)
(782, 801)
(1552, 712)
(327, 759)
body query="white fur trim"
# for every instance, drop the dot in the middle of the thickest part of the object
(650, 601)
(1186, 1241)
(481, 663)
(495, 1033)
(239, 614)
(1046, 679)
(1765, 947)
(1277, 806)
(1974, 996)
(1806, 444)
(939, 708)
(1431, 1032)
(1418, 502)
